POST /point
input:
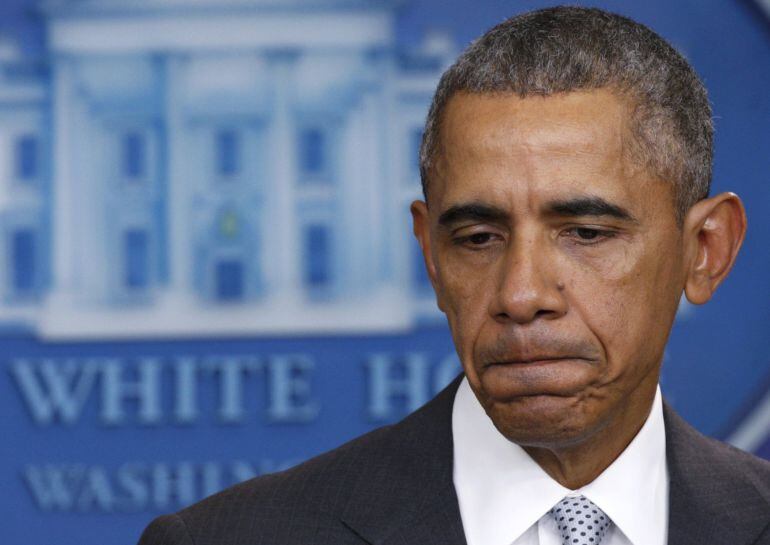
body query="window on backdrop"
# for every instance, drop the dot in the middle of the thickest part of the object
(27, 158)
(134, 155)
(136, 273)
(228, 153)
(229, 279)
(313, 152)
(317, 246)
(23, 260)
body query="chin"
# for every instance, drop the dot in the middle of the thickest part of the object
(543, 421)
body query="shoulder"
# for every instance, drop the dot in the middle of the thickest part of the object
(310, 487)
(692, 452)
(305, 504)
(717, 493)
(726, 462)
(306, 499)
(702, 465)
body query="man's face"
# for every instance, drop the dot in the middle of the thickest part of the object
(557, 261)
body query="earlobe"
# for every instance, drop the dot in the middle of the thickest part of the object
(421, 229)
(714, 230)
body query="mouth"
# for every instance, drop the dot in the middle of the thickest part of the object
(546, 374)
(537, 360)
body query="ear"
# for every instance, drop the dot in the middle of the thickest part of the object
(713, 229)
(421, 228)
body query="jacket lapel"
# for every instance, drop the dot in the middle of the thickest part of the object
(405, 493)
(712, 498)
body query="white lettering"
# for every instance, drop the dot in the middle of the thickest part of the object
(96, 492)
(53, 487)
(134, 486)
(385, 384)
(231, 371)
(290, 389)
(173, 482)
(146, 390)
(132, 480)
(186, 388)
(55, 388)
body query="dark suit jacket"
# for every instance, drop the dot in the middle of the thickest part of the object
(394, 486)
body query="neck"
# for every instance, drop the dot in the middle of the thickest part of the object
(578, 464)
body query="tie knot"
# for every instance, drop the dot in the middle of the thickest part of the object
(580, 521)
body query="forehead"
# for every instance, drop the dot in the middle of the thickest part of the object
(576, 121)
(563, 141)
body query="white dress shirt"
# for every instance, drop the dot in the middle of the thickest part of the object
(505, 496)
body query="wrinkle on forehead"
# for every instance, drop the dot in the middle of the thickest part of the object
(558, 123)
(504, 128)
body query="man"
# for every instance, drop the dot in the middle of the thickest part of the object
(566, 166)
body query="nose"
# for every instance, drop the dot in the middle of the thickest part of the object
(528, 286)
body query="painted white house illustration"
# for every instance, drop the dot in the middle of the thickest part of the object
(195, 167)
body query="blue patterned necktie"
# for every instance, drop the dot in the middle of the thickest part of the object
(580, 521)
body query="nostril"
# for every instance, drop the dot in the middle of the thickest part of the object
(526, 315)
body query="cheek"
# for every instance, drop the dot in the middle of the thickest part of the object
(612, 263)
(629, 304)
(464, 294)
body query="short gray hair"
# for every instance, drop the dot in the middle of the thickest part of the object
(563, 49)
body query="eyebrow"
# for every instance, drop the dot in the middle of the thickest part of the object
(472, 211)
(588, 206)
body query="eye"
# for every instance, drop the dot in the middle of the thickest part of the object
(476, 241)
(588, 235)
(479, 238)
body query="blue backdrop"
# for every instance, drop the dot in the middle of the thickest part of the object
(206, 267)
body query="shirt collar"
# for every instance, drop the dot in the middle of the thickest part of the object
(633, 490)
(502, 492)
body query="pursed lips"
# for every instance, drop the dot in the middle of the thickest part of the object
(520, 375)
(534, 360)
